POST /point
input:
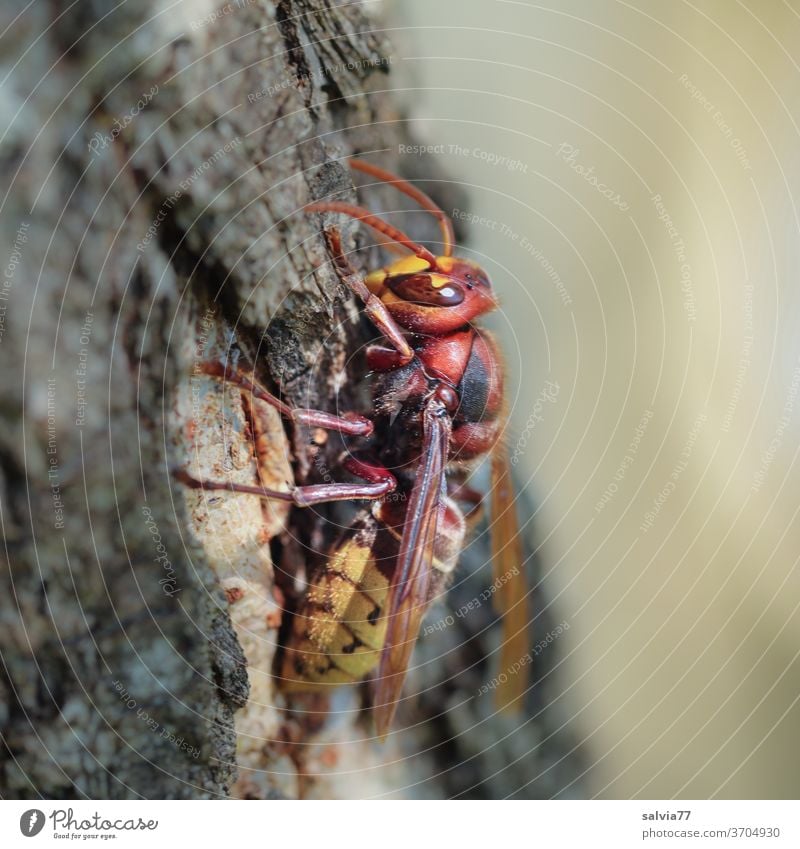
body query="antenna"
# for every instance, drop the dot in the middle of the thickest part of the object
(448, 236)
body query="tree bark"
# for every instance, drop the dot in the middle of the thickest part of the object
(159, 159)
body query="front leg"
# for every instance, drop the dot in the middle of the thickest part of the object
(378, 482)
(373, 305)
(350, 424)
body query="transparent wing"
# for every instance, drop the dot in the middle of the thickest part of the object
(510, 597)
(408, 596)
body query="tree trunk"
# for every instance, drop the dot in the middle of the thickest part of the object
(159, 158)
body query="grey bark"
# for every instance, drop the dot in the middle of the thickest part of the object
(121, 671)
(157, 158)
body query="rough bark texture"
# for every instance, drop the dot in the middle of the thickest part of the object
(158, 163)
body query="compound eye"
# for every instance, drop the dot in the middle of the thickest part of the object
(432, 290)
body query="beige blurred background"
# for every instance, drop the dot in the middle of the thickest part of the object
(636, 166)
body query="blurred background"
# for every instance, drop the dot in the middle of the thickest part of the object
(632, 173)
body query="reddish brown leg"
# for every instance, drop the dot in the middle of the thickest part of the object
(373, 306)
(378, 483)
(381, 358)
(350, 425)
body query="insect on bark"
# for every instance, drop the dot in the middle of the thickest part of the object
(438, 410)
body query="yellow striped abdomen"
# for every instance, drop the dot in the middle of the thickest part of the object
(339, 631)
